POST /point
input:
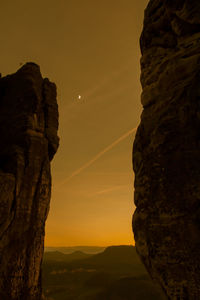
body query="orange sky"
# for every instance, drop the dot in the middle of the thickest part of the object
(88, 48)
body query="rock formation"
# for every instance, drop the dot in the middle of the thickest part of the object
(166, 152)
(28, 132)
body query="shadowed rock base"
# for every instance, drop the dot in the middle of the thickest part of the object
(166, 152)
(28, 132)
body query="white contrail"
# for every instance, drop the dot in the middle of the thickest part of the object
(104, 82)
(96, 157)
(111, 189)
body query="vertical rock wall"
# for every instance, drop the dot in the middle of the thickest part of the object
(28, 133)
(166, 152)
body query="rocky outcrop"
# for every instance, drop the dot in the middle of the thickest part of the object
(28, 133)
(166, 152)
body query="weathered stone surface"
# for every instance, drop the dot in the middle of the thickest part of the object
(28, 133)
(166, 152)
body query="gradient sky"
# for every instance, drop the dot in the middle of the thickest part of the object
(88, 48)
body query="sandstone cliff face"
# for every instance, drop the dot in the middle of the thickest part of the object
(28, 132)
(166, 152)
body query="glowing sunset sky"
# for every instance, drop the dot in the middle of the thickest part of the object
(90, 49)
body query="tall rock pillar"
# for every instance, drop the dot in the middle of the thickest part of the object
(166, 152)
(28, 133)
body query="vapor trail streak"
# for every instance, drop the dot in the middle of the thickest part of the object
(100, 154)
(105, 81)
(115, 188)
(115, 74)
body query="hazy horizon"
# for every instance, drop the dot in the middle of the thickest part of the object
(95, 246)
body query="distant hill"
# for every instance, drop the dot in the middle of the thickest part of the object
(61, 257)
(68, 250)
(114, 259)
(115, 254)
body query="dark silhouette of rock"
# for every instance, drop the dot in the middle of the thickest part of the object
(166, 152)
(28, 133)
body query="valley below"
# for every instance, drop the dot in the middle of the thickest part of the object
(116, 273)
